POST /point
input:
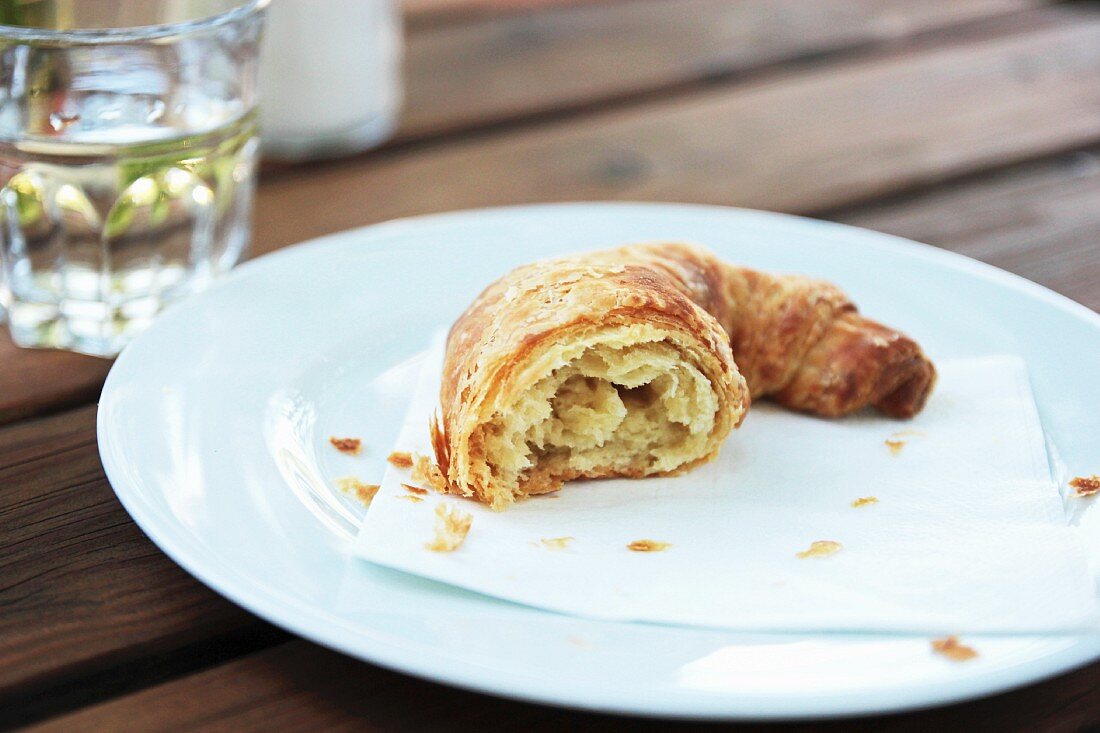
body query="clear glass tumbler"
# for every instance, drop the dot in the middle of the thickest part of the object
(128, 145)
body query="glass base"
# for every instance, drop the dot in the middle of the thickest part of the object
(89, 327)
(42, 327)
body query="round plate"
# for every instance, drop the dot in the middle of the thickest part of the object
(214, 427)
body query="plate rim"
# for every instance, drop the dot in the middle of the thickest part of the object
(305, 619)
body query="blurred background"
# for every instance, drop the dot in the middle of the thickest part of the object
(963, 123)
(968, 124)
(973, 125)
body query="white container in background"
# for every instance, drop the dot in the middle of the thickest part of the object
(330, 77)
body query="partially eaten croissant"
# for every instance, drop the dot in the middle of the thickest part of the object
(639, 361)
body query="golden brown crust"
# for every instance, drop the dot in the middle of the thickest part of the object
(348, 446)
(532, 309)
(648, 546)
(797, 340)
(953, 649)
(400, 459)
(361, 491)
(451, 527)
(426, 472)
(1085, 485)
(552, 300)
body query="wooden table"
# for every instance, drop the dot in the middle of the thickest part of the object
(970, 124)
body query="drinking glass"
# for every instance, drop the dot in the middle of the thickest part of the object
(128, 144)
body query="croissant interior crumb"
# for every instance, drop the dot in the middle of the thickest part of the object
(451, 527)
(555, 543)
(648, 546)
(623, 394)
(352, 485)
(425, 471)
(820, 548)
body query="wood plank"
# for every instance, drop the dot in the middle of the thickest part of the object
(83, 590)
(1040, 221)
(307, 688)
(32, 382)
(117, 599)
(483, 70)
(800, 141)
(419, 12)
(495, 68)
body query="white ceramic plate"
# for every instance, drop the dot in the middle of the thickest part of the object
(213, 428)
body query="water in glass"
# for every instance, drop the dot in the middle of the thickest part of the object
(127, 168)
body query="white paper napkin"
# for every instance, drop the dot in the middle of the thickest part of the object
(968, 534)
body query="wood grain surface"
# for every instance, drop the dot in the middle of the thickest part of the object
(796, 141)
(33, 382)
(505, 68)
(1040, 220)
(307, 688)
(972, 125)
(83, 590)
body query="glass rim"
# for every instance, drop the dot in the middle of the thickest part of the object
(94, 36)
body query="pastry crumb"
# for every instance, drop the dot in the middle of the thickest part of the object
(820, 548)
(425, 471)
(555, 543)
(648, 546)
(409, 497)
(400, 459)
(895, 442)
(361, 491)
(347, 446)
(451, 527)
(414, 489)
(953, 650)
(578, 641)
(864, 501)
(1085, 485)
